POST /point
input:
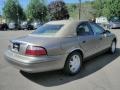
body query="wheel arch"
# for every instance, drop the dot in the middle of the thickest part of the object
(76, 50)
(66, 70)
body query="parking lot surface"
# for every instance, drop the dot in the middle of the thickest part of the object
(100, 73)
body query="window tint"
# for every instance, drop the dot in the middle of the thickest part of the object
(96, 28)
(115, 19)
(48, 29)
(83, 29)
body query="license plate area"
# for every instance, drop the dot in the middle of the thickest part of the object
(16, 47)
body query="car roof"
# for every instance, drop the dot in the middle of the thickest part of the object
(68, 29)
(65, 21)
(61, 22)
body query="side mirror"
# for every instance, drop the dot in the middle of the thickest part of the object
(106, 31)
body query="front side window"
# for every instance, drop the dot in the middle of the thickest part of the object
(48, 29)
(96, 28)
(83, 30)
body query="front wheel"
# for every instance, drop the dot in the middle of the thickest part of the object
(113, 47)
(73, 63)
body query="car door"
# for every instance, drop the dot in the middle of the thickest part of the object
(99, 34)
(87, 40)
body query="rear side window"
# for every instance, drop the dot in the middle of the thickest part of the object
(48, 29)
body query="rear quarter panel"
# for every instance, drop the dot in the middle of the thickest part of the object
(70, 44)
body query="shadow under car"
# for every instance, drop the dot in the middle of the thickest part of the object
(55, 78)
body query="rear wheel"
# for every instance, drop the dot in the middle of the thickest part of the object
(73, 63)
(113, 47)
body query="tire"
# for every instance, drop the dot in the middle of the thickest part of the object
(73, 66)
(113, 47)
(4, 29)
(109, 27)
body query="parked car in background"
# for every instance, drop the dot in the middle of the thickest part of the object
(0, 26)
(3, 26)
(61, 44)
(102, 21)
(26, 25)
(114, 23)
(36, 24)
(30, 27)
(23, 25)
(12, 25)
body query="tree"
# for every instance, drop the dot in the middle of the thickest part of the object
(71, 7)
(111, 8)
(13, 11)
(37, 10)
(108, 8)
(98, 7)
(58, 10)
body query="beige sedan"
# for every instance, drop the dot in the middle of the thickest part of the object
(61, 44)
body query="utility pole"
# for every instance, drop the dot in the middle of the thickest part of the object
(18, 20)
(4, 3)
(101, 6)
(79, 9)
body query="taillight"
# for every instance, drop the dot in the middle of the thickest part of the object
(35, 51)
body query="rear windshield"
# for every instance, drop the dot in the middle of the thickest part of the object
(48, 29)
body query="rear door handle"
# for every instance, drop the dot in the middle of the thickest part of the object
(83, 41)
(100, 38)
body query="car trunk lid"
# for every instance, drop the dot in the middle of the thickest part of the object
(20, 45)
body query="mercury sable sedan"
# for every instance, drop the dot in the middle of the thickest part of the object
(61, 44)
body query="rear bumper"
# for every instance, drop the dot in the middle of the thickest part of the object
(35, 64)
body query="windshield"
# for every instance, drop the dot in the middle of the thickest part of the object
(48, 29)
(115, 19)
